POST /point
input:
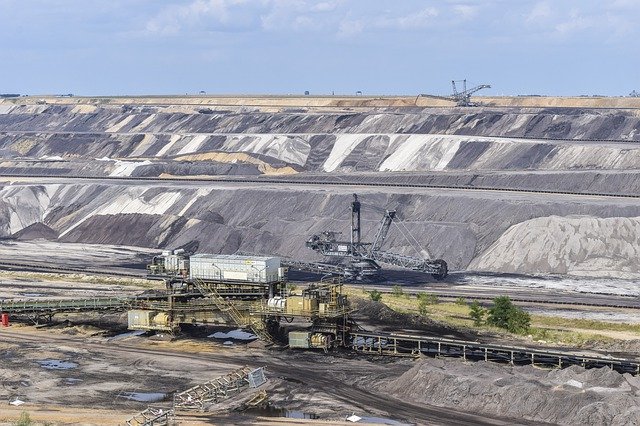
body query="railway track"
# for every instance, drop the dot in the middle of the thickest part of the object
(428, 186)
(297, 182)
(631, 303)
(34, 267)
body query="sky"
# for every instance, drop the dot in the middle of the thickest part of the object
(403, 47)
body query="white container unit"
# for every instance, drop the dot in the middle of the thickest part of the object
(175, 261)
(232, 267)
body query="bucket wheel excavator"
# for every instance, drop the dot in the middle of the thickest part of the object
(462, 98)
(362, 260)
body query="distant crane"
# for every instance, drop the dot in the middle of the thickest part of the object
(461, 98)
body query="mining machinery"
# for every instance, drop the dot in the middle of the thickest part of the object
(463, 98)
(246, 290)
(362, 259)
(460, 97)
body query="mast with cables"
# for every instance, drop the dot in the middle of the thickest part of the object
(364, 257)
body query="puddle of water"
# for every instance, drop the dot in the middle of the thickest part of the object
(127, 334)
(72, 381)
(144, 396)
(238, 334)
(382, 421)
(31, 294)
(271, 411)
(56, 364)
(299, 415)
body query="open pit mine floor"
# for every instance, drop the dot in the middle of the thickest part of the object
(85, 374)
(102, 373)
(101, 366)
(531, 197)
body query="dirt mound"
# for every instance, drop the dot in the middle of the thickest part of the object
(573, 245)
(570, 396)
(35, 231)
(380, 316)
(617, 348)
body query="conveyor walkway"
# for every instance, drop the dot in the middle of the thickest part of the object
(66, 305)
(399, 344)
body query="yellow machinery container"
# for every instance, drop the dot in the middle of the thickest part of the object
(305, 340)
(139, 319)
(321, 341)
(310, 305)
(295, 304)
(148, 320)
(160, 320)
(302, 305)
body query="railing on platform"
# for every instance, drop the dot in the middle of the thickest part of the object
(219, 388)
(151, 417)
(39, 306)
(228, 307)
(263, 309)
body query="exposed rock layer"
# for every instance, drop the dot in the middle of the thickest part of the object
(408, 140)
(455, 226)
(475, 147)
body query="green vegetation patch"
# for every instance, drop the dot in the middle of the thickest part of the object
(506, 318)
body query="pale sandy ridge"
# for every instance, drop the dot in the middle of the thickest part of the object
(335, 101)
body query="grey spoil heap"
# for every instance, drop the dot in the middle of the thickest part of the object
(98, 170)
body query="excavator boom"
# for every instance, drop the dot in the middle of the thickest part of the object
(364, 256)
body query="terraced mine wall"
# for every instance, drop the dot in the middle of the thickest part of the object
(559, 149)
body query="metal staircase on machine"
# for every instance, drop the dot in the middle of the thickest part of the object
(227, 307)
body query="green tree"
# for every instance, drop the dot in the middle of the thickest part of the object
(461, 301)
(505, 314)
(397, 291)
(24, 420)
(477, 313)
(375, 295)
(427, 298)
(423, 306)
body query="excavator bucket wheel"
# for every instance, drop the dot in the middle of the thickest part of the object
(442, 270)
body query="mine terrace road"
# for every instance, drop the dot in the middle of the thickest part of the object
(346, 187)
(625, 143)
(422, 414)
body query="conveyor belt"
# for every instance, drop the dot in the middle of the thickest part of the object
(401, 344)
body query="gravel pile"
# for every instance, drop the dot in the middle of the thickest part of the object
(570, 396)
(379, 316)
